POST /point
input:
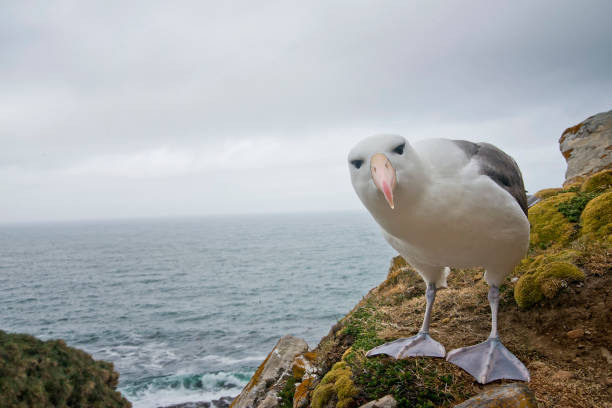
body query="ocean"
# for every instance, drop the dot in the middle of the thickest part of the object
(187, 308)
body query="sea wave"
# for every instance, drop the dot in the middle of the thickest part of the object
(223, 360)
(176, 389)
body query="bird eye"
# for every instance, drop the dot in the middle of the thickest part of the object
(357, 163)
(400, 149)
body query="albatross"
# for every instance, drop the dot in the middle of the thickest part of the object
(447, 203)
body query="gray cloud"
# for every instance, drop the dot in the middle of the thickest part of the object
(111, 108)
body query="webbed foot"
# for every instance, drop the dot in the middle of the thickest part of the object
(420, 345)
(489, 361)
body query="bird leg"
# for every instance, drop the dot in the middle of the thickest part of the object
(421, 344)
(490, 360)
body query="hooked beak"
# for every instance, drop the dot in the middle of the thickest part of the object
(383, 174)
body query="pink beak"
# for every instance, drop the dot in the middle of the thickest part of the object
(383, 175)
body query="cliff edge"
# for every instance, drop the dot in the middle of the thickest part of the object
(554, 316)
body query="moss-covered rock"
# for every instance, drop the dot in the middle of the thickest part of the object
(598, 182)
(549, 227)
(545, 281)
(596, 219)
(34, 373)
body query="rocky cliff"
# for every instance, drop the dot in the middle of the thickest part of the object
(554, 315)
(587, 147)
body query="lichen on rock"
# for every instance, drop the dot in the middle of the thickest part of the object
(271, 377)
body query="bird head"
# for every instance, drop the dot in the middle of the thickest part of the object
(383, 169)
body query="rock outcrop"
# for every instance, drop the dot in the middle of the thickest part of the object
(385, 402)
(270, 378)
(587, 147)
(503, 396)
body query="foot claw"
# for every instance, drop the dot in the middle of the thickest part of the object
(489, 361)
(420, 345)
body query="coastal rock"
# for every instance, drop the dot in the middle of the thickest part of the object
(262, 390)
(385, 402)
(305, 374)
(507, 396)
(587, 147)
(222, 402)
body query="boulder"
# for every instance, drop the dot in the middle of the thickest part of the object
(222, 402)
(385, 402)
(263, 388)
(587, 147)
(514, 395)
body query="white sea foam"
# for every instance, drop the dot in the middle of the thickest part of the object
(178, 389)
(230, 361)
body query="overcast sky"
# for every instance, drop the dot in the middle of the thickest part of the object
(144, 108)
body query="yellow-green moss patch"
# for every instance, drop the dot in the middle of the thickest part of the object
(339, 381)
(552, 277)
(548, 226)
(527, 292)
(598, 182)
(596, 218)
(530, 264)
(547, 192)
(545, 281)
(322, 394)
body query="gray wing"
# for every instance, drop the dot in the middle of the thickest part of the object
(497, 165)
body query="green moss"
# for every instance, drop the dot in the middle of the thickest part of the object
(530, 264)
(527, 292)
(34, 373)
(596, 218)
(346, 403)
(344, 387)
(545, 278)
(598, 182)
(322, 394)
(339, 378)
(549, 226)
(412, 382)
(547, 192)
(337, 370)
(552, 277)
